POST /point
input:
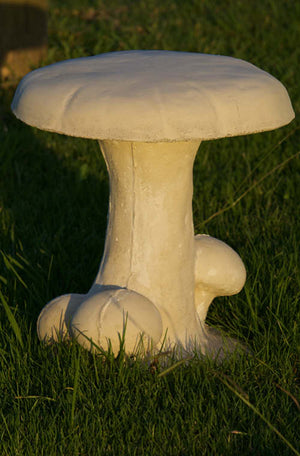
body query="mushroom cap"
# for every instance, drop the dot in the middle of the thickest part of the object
(152, 96)
(219, 270)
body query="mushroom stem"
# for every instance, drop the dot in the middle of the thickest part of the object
(149, 244)
(203, 300)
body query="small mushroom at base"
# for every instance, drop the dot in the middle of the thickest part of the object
(219, 271)
(104, 317)
(54, 320)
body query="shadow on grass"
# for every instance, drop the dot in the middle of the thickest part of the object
(54, 200)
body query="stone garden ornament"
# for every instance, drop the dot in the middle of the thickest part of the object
(150, 110)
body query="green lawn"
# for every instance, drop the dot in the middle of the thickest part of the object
(60, 399)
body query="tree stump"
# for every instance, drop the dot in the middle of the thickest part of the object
(23, 37)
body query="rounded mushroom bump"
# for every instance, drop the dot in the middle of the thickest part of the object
(150, 110)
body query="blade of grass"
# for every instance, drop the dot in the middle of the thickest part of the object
(3, 279)
(6, 426)
(12, 320)
(243, 397)
(36, 397)
(289, 394)
(174, 366)
(249, 189)
(75, 388)
(9, 261)
(99, 350)
(265, 157)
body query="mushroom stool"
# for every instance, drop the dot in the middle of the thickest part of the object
(150, 110)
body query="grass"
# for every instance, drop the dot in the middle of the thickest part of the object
(62, 400)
